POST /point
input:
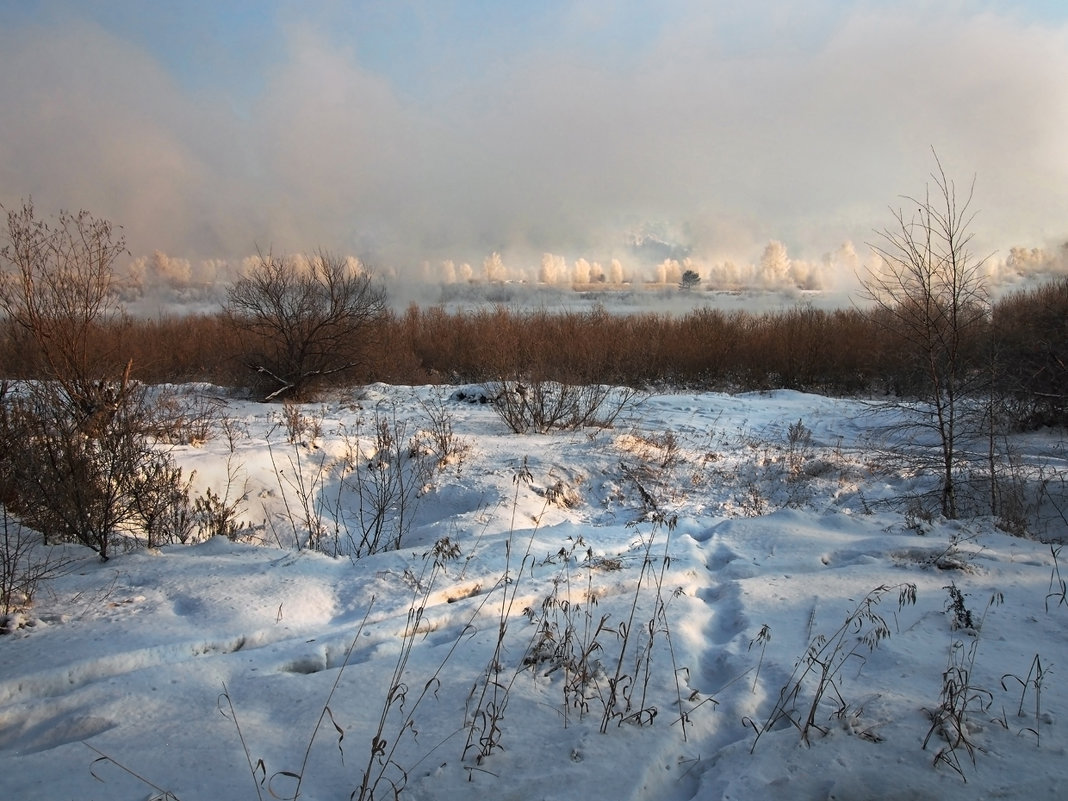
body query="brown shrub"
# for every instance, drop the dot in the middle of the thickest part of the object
(841, 352)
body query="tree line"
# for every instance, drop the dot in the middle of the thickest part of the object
(1020, 342)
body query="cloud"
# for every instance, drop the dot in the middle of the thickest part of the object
(793, 122)
(88, 123)
(336, 144)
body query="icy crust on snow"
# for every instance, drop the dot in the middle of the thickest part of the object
(130, 658)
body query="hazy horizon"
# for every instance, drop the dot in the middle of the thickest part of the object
(425, 137)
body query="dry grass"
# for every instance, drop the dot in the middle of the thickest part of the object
(817, 675)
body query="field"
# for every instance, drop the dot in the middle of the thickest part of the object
(718, 596)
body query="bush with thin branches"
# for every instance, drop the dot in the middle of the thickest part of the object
(305, 320)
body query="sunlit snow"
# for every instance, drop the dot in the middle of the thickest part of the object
(690, 525)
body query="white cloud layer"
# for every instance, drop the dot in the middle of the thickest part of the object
(728, 133)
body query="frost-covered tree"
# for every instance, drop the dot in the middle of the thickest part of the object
(448, 272)
(774, 265)
(669, 271)
(174, 273)
(493, 268)
(553, 269)
(582, 271)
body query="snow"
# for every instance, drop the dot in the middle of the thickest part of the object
(163, 662)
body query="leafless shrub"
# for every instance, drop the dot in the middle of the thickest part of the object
(217, 516)
(798, 448)
(561, 494)
(301, 427)
(751, 501)
(543, 406)
(1031, 352)
(386, 475)
(57, 287)
(85, 432)
(802, 348)
(305, 322)
(218, 513)
(918, 514)
(184, 419)
(439, 434)
(161, 503)
(83, 485)
(302, 485)
(1028, 497)
(25, 563)
(360, 503)
(661, 451)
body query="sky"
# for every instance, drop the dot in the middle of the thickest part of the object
(413, 132)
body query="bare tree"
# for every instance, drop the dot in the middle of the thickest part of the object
(58, 289)
(304, 323)
(930, 291)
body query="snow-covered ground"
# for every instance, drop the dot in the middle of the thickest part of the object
(691, 561)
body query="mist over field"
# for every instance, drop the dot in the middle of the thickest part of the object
(161, 283)
(571, 144)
